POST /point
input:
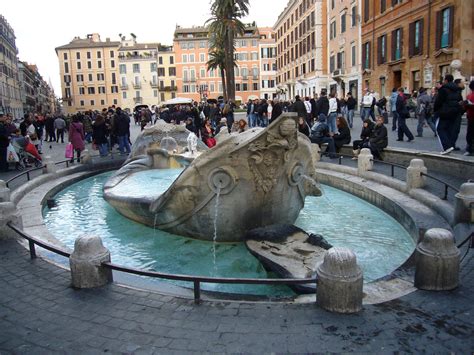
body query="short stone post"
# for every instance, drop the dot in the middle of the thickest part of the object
(86, 157)
(340, 279)
(48, 165)
(4, 192)
(85, 263)
(365, 161)
(9, 213)
(464, 204)
(437, 261)
(415, 179)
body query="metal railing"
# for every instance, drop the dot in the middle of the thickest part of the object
(196, 280)
(446, 185)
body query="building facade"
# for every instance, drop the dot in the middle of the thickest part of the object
(10, 88)
(166, 73)
(411, 43)
(344, 50)
(89, 73)
(268, 66)
(301, 39)
(193, 78)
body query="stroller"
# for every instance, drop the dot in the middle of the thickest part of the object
(27, 153)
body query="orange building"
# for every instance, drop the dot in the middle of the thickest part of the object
(195, 81)
(411, 43)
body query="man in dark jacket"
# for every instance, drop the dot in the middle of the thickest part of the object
(4, 141)
(277, 110)
(298, 107)
(320, 134)
(448, 107)
(402, 113)
(121, 128)
(322, 106)
(351, 105)
(379, 139)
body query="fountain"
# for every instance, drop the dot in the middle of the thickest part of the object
(259, 176)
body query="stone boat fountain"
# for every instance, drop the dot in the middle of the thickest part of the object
(258, 178)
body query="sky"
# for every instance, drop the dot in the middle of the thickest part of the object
(41, 26)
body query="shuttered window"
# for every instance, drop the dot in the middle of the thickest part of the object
(382, 49)
(397, 44)
(366, 10)
(366, 56)
(416, 38)
(444, 27)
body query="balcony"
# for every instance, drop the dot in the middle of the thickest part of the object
(168, 88)
(153, 85)
(124, 87)
(189, 80)
(138, 99)
(131, 57)
(137, 85)
(336, 74)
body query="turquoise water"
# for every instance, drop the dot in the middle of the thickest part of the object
(379, 242)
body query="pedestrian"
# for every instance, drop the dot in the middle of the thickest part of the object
(393, 108)
(403, 114)
(469, 106)
(448, 107)
(322, 106)
(379, 139)
(277, 110)
(299, 107)
(423, 106)
(121, 128)
(4, 141)
(76, 136)
(332, 112)
(351, 106)
(320, 134)
(343, 135)
(366, 104)
(99, 135)
(457, 122)
(365, 134)
(60, 126)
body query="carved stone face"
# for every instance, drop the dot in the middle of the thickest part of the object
(287, 128)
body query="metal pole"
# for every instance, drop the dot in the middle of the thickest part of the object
(32, 249)
(393, 170)
(197, 292)
(445, 192)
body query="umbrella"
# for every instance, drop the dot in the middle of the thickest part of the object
(178, 101)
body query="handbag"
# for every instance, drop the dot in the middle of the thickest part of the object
(69, 151)
(12, 156)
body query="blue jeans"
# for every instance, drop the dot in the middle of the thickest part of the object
(331, 148)
(350, 117)
(332, 122)
(252, 120)
(103, 149)
(365, 113)
(123, 144)
(394, 120)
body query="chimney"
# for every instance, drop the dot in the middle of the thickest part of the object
(107, 39)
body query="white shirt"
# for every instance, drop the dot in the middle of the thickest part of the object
(332, 105)
(307, 104)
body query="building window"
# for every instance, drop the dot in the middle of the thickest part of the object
(123, 69)
(366, 10)
(102, 102)
(185, 58)
(416, 38)
(153, 67)
(172, 71)
(354, 16)
(202, 57)
(383, 6)
(162, 96)
(397, 40)
(444, 27)
(114, 89)
(343, 23)
(396, 2)
(89, 65)
(136, 68)
(91, 90)
(99, 64)
(353, 55)
(81, 103)
(171, 60)
(155, 93)
(124, 94)
(78, 65)
(66, 68)
(78, 55)
(65, 56)
(112, 63)
(333, 4)
(332, 30)
(79, 78)
(161, 71)
(88, 55)
(112, 54)
(92, 102)
(366, 56)
(99, 54)
(101, 89)
(82, 91)
(382, 49)
(90, 77)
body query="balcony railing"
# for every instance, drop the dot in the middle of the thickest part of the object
(137, 57)
(153, 85)
(138, 99)
(124, 87)
(137, 85)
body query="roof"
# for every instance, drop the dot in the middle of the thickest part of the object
(88, 43)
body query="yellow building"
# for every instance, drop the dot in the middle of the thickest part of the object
(166, 73)
(89, 73)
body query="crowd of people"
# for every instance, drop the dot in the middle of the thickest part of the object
(325, 119)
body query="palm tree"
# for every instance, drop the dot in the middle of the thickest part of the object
(217, 61)
(225, 23)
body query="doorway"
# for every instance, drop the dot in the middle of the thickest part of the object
(397, 79)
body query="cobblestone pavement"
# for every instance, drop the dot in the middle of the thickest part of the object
(41, 313)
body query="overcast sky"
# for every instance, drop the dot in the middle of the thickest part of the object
(41, 26)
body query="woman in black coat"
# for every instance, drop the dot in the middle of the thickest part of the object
(365, 134)
(343, 136)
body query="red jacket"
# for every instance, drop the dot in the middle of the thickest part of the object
(470, 108)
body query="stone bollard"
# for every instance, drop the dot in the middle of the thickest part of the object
(85, 263)
(464, 204)
(86, 157)
(340, 281)
(4, 192)
(437, 261)
(48, 165)
(415, 179)
(365, 161)
(9, 213)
